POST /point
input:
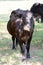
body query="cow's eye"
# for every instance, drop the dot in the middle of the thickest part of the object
(20, 15)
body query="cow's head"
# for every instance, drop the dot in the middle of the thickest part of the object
(35, 9)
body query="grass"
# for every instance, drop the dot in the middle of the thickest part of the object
(4, 17)
(12, 57)
(37, 39)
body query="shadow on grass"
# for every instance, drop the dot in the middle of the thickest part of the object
(9, 56)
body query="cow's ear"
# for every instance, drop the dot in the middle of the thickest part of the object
(13, 12)
(37, 4)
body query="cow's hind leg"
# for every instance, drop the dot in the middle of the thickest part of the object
(17, 42)
(14, 44)
(41, 19)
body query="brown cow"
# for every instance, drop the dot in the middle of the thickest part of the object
(21, 27)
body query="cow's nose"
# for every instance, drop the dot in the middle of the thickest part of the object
(26, 28)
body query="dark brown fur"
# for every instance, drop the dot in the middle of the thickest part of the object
(16, 25)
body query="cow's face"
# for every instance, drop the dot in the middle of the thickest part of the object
(29, 22)
(29, 26)
(35, 9)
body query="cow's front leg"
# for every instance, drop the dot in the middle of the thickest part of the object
(28, 47)
(22, 47)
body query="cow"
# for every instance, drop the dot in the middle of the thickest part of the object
(21, 27)
(37, 10)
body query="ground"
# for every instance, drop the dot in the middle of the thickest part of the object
(14, 57)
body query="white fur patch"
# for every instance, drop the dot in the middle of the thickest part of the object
(29, 15)
(19, 20)
(26, 28)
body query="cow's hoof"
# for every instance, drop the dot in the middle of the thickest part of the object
(23, 52)
(14, 48)
(28, 56)
(23, 57)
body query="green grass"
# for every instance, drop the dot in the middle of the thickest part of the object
(4, 17)
(12, 57)
(38, 38)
